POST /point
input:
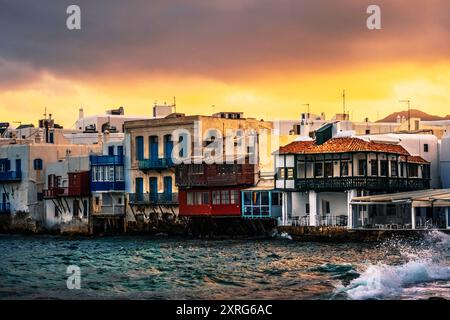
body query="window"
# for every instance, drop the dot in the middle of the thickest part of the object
(110, 150)
(38, 164)
(97, 201)
(198, 198)
(139, 148)
(425, 147)
(307, 208)
(329, 169)
(383, 168)
(119, 200)
(367, 131)
(326, 206)
(344, 168)
(277, 199)
(362, 167)
(374, 167)
(190, 198)
(119, 173)
(290, 173)
(394, 168)
(99, 173)
(318, 169)
(234, 197)
(205, 199)
(413, 170)
(111, 173)
(216, 197)
(225, 195)
(281, 173)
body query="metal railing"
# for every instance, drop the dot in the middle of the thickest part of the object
(10, 175)
(155, 164)
(153, 198)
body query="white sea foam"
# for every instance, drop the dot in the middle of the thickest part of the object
(381, 280)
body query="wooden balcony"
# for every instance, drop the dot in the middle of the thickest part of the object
(54, 192)
(391, 184)
(214, 175)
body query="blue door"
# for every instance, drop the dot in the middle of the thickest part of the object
(110, 150)
(153, 189)
(139, 189)
(139, 148)
(168, 147)
(19, 168)
(168, 188)
(120, 150)
(154, 148)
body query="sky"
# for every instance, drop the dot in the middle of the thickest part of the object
(266, 58)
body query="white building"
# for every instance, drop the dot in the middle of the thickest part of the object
(67, 195)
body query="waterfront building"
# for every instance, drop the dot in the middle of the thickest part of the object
(151, 174)
(67, 195)
(444, 160)
(107, 185)
(319, 177)
(423, 209)
(22, 178)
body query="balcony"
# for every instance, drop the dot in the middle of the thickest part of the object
(104, 160)
(54, 192)
(155, 164)
(12, 176)
(108, 185)
(369, 183)
(214, 175)
(5, 208)
(153, 198)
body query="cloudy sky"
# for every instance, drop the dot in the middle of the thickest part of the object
(263, 57)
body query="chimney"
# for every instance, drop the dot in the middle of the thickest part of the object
(80, 113)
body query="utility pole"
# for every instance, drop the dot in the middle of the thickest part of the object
(307, 105)
(343, 102)
(409, 113)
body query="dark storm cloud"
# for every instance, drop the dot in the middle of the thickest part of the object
(224, 38)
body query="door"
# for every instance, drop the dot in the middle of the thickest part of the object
(18, 168)
(168, 147)
(153, 189)
(168, 188)
(139, 148)
(154, 148)
(139, 191)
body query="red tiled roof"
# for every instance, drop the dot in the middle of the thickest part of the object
(342, 145)
(415, 159)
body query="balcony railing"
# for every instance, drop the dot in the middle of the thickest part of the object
(153, 198)
(5, 207)
(54, 192)
(371, 183)
(10, 176)
(108, 185)
(66, 192)
(321, 221)
(101, 160)
(215, 175)
(155, 164)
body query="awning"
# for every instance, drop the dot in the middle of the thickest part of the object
(426, 198)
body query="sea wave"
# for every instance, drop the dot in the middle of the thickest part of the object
(429, 264)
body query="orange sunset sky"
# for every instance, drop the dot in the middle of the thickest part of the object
(265, 58)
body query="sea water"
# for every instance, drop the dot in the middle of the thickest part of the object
(140, 267)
